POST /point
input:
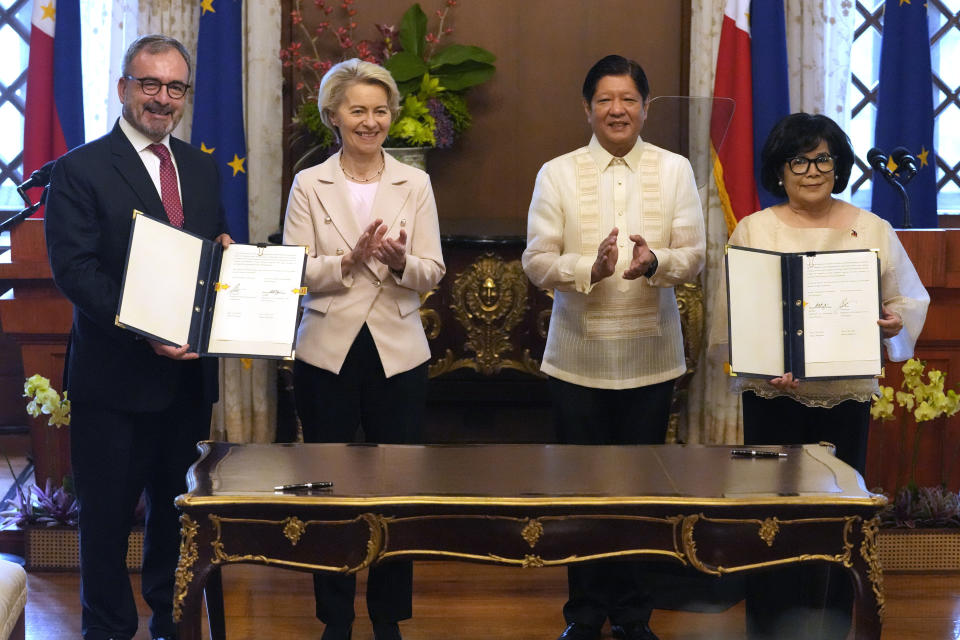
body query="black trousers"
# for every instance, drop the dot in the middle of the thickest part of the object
(115, 457)
(809, 600)
(388, 410)
(584, 415)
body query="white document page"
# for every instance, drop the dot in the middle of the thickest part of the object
(756, 312)
(840, 312)
(161, 280)
(256, 306)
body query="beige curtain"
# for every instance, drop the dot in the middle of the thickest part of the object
(819, 37)
(247, 408)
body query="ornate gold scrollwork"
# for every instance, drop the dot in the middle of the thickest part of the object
(870, 551)
(532, 531)
(489, 301)
(768, 530)
(293, 528)
(532, 562)
(432, 323)
(188, 556)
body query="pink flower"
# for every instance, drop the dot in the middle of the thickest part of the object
(297, 18)
(430, 38)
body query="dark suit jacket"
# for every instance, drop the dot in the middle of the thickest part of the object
(93, 192)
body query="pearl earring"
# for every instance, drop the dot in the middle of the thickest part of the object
(780, 182)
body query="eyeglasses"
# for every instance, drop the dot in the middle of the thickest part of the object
(151, 87)
(799, 165)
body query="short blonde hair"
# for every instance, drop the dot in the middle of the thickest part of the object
(342, 75)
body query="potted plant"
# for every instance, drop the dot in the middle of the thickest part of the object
(432, 78)
(49, 516)
(920, 526)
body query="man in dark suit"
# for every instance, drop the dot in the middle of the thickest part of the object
(138, 406)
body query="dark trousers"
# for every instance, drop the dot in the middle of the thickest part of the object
(116, 456)
(584, 415)
(805, 600)
(390, 411)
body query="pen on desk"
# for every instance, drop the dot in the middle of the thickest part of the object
(304, 485)
(755, 453)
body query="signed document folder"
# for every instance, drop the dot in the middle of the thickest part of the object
(814, 314)
(179, 288)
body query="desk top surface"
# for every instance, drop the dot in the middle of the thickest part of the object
(524, 474)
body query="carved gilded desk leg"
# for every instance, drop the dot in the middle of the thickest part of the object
(868, 604)
(193, 570)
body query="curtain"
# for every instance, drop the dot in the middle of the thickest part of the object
(819, 38)
(246, 411)
(113, 26)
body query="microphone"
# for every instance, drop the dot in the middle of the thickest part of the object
(39, 178)
(878, 160)
(906, 164)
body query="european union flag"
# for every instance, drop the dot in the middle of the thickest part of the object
(771, 85)
(905, 111)
(218, 105)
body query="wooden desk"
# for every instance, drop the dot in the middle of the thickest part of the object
(525, 505)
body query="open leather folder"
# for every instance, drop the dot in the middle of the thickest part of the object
(241, 301)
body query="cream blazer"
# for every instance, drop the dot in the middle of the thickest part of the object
(319, 215)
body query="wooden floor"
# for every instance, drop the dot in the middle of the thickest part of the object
(474, 602)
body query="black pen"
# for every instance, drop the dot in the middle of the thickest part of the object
(756, 453)
(304, 485)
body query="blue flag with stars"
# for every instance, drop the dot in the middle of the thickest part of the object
(905, 111)
(218, 105)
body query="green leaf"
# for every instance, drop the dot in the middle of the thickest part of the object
(405, 66)
(457, 53)
(465, 75)
(413, 30)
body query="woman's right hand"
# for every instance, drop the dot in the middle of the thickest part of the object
(367, 244)
(786, 382)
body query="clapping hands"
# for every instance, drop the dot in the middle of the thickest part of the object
(372, 243)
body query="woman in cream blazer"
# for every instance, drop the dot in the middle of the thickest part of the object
(370, 225)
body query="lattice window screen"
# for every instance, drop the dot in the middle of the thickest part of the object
(944, 16)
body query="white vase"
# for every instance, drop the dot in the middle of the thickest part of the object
(413, 156)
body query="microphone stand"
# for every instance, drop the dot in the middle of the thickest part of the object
(26, 212)
(902, 190)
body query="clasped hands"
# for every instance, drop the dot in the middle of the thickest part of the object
(608, 253)
(374, 243)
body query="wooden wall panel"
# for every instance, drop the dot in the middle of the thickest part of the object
(531, 110)
(936, 254)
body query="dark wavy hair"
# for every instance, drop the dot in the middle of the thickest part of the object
(613, 65)
(799, 133)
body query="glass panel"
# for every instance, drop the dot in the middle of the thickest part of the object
(10, 62)
(947, 141)
(9, 198)
(11, 123)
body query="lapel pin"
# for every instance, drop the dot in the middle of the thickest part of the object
(327, 220)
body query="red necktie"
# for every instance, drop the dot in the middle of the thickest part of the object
(169, 192)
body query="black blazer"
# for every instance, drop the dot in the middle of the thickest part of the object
(93, 192)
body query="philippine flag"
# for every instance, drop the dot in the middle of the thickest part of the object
(54, 115)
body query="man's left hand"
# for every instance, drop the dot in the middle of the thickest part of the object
(224, 239)
(642, 258)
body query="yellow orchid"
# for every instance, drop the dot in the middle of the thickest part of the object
(882, 408)
(46, 400)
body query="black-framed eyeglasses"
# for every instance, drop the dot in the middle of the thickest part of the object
(151, 87)
(799, 165)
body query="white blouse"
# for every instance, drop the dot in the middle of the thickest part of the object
(900, 288)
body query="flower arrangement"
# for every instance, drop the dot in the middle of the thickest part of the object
(914, 506)
(432, 80)
(44, 399)
(48, 506)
